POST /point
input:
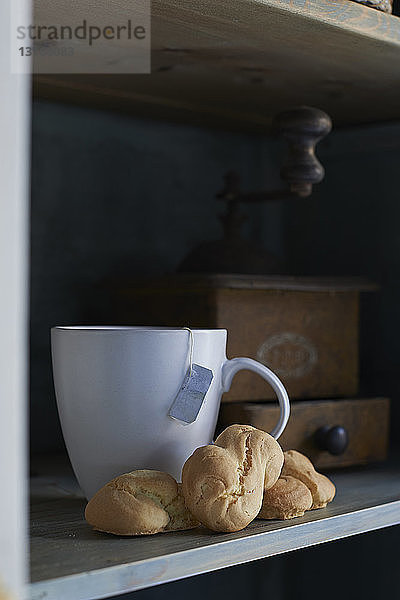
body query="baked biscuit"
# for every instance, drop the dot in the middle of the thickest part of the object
(139, 503)
(299, 466)
(287, 499)
(223, 483)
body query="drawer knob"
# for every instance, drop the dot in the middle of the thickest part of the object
(333, 439)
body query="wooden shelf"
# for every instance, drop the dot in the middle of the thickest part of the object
(236, 64)
(69, 560)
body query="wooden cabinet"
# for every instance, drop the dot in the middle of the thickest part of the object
(225, 64)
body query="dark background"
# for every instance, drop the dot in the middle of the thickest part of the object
(118, 197)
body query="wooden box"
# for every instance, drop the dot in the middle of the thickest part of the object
(304, 329)
(365, 420)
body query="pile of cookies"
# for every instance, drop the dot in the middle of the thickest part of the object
(242, 476)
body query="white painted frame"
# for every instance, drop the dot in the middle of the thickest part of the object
(14, 214)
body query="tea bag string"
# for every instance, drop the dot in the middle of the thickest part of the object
(191, 348)
(192, 392)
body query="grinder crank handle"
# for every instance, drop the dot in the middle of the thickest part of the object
(302, 128)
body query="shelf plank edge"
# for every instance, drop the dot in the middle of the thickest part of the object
(131, 577)
(343, 14)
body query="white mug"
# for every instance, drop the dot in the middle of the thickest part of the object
(115, 385)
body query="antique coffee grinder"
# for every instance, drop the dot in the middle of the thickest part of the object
(306, 329)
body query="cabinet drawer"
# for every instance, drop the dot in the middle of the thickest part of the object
(366, 422)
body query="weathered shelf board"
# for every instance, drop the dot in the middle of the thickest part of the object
(69, 560)
(236, 64)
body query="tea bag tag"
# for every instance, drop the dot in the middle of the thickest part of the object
(193, 390)
(191, 395)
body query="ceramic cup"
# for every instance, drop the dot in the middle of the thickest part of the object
(115, 386)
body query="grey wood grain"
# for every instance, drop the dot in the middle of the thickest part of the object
(236, 64)
(69, 560)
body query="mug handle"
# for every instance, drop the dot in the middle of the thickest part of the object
(231, 367)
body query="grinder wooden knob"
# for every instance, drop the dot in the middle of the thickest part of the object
(333, 439)
(302, 128)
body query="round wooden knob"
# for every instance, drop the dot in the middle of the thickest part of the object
(332, 439)
(303, 128)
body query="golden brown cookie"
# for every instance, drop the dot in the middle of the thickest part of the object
(139, 503)
(299, 466)
(223, 484)
(287, 499)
